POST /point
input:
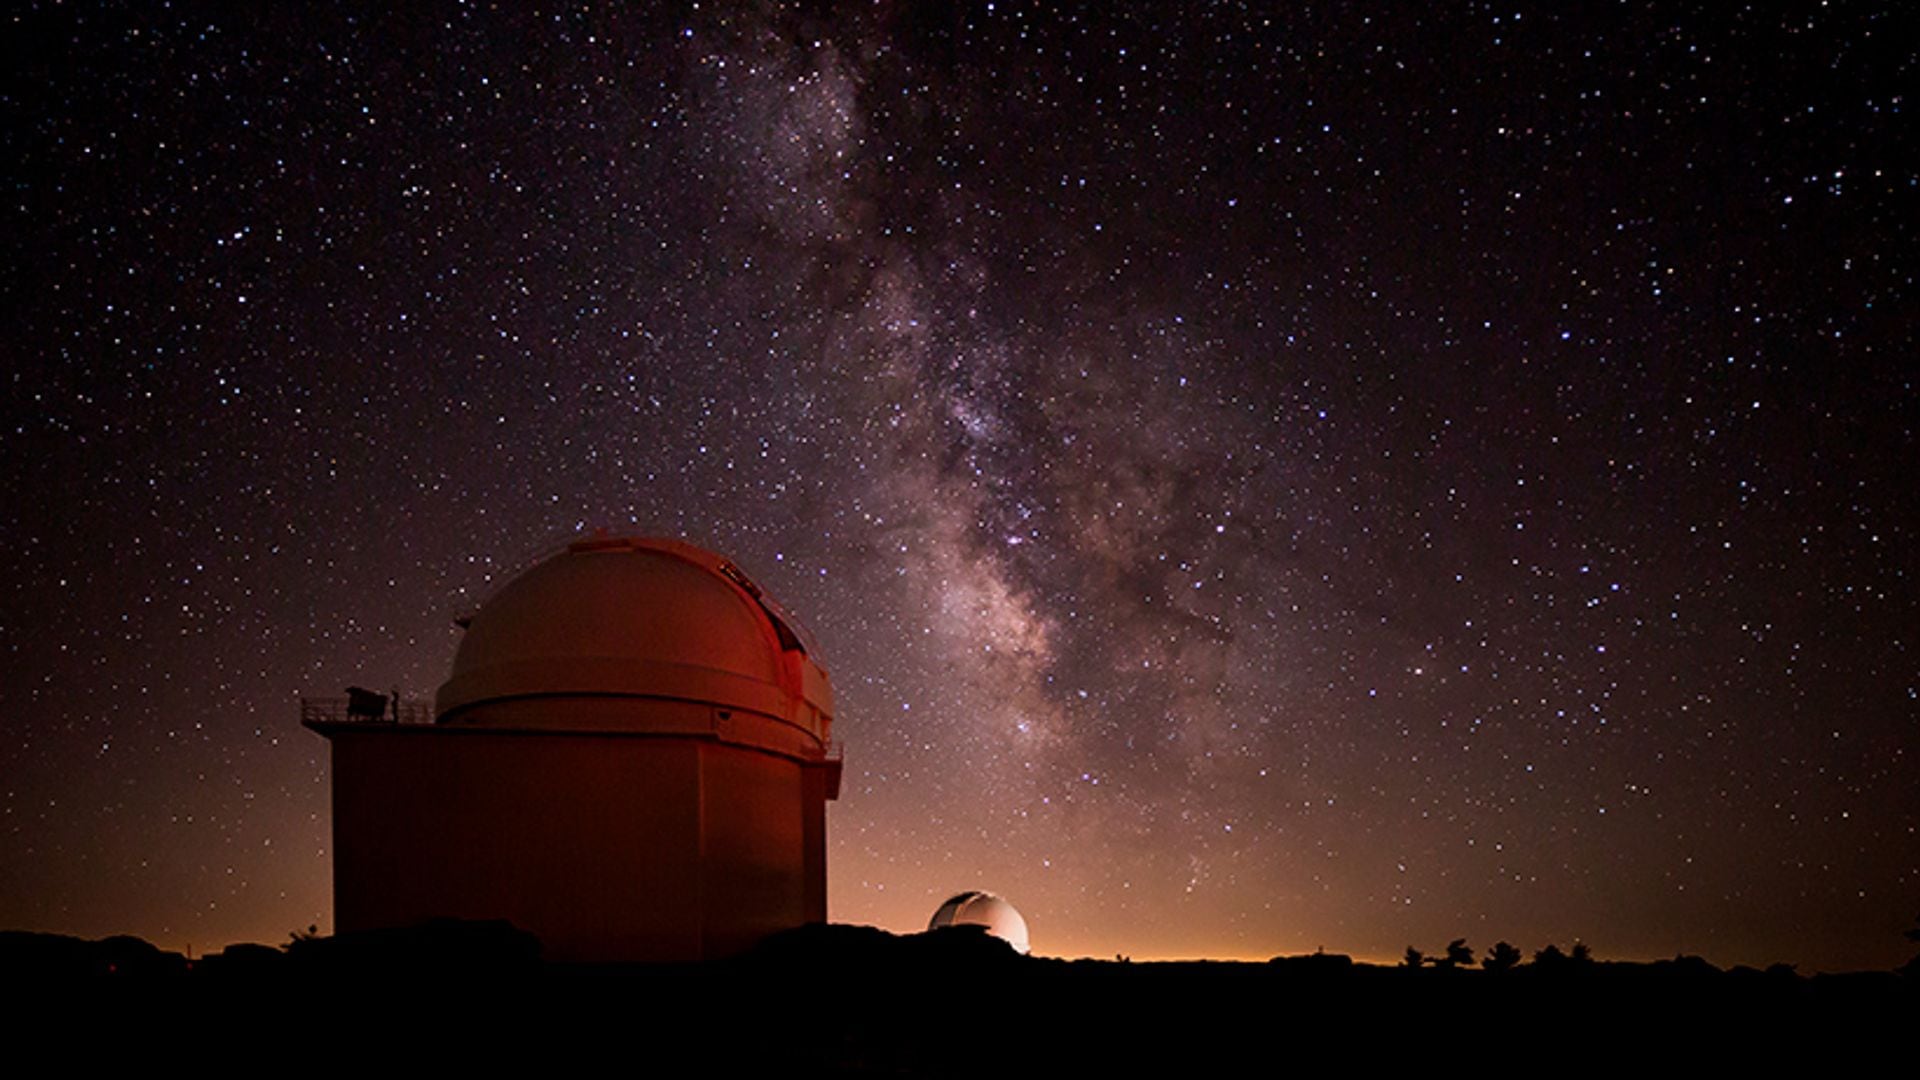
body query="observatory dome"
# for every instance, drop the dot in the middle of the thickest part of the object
(614, 619)
(631, 759)
(975, 908)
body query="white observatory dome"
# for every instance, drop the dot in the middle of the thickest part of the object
(615, 620)
(975, 908)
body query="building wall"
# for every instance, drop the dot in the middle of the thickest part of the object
(754, 861)
(610, 848)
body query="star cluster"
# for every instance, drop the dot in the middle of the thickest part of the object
(1349, 476)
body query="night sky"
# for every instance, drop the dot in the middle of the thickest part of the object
(1347, 476)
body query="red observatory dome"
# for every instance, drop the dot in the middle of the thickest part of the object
(631, 758)
(626, 625)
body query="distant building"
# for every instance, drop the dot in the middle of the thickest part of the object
(983, 909)
(631, 759)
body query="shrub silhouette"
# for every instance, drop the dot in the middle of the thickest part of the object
(1911, 969)
(1504, 957)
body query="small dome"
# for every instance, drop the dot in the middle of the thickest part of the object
(627, 617)
(975, 908)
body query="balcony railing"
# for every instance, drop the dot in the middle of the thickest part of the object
(379, 710)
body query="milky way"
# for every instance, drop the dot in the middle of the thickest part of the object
(1358, 478)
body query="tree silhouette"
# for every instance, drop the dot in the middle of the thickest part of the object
(1414, 958)
(1581, 954)
(1457, 955)
(1911, 969)
(1503, 958)
(1550, 959)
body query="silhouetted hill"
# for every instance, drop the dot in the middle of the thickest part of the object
(27, 957)
(865, 951)
(442, 948)
(497, 948)
(855, 1000)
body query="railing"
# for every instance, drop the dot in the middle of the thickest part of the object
(341, 711)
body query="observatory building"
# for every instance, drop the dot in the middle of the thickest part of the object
(631, 759)
(984, 909)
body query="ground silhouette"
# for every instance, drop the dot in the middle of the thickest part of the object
(855, 1000)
